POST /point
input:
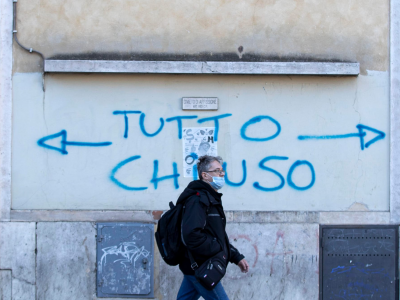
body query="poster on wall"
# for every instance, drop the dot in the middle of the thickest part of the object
(197, 141)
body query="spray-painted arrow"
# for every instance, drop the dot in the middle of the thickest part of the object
(362, 132)
(65, 143)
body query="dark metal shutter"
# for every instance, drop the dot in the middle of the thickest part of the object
(359, 263)
(125, 254)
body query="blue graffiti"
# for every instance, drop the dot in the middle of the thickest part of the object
(194, 155)
(291, 170)
(191, 158)
(262, 166)
(179, 119)
(228, 182)
(119, 183)
(216, 123)
(256, 120)
(125, 113)
(362, 132)
(155, 180)
(194, 170)
(64, 143)
(361, 284)
(328, 137)
(361, 129)
(357, 269)
(345, 295)
(367, 136)
(334, 270)
(141, 124)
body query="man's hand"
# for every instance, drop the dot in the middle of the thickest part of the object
(243, 265)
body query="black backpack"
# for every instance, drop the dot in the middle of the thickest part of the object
(168, 235)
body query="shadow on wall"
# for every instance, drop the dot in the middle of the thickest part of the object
(201, 56)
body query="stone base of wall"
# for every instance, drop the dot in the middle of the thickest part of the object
(57, 260)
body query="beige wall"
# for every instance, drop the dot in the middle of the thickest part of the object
(285, 29)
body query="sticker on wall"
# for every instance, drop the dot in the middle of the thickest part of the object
(197, 141)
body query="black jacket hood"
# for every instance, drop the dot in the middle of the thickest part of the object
(199, 186)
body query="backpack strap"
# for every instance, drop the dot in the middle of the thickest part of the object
(193, 263)
(171, 205)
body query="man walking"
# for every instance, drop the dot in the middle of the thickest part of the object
(203, 229)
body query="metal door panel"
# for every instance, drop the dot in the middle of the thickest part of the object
(359, 263)
(125, 260)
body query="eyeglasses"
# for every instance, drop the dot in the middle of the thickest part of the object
(216, 171)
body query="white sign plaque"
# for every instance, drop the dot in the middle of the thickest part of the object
(200, 103)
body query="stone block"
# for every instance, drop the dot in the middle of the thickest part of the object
(82, 216)
(23, 290)
(394, 112)
(5, 284)
(170, 281)
(273, 217)
(6, 58)
(17, 253)
(66, 261)
(355, 218)
(283, 259)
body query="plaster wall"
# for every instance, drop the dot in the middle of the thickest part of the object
(346, 177)
(205, 30)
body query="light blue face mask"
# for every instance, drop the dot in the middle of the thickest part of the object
(218, 182)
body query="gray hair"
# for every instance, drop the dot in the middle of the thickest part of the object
(204, 162)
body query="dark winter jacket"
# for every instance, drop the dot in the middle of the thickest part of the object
(203, 226)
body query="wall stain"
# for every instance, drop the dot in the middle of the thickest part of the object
(157, 214)
(200, 56)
